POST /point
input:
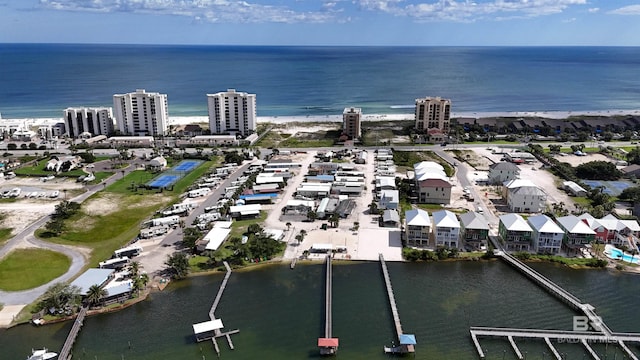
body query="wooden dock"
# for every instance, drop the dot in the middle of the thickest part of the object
(601, 332)
(561, 336)
(558, 292)
(402, 347)
(65, 353)
(217, 333)
(328, 345)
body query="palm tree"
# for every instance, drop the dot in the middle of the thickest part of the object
(134, 269)
(334, 219)
(288, 225)
(311, 215)
(95, 295)
(356, 225)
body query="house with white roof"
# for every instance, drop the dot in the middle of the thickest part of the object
(523, 196)
(611, 230)
(547, 235)
(515, 232)
(385, 183)
(502, 171)
(474, 230)
(577, 234)
(389, 199)
(417, 227)
(432, 183)
(446, 228)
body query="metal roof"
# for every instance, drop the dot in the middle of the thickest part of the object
(92, 277)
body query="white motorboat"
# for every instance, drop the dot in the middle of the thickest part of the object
(42, 354)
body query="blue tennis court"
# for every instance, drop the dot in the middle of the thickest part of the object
(613, 188)
(164, 181)
(174, 174)
(186, 165)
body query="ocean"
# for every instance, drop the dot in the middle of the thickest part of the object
(41, 80)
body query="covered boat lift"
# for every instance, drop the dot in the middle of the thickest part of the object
(207, 330)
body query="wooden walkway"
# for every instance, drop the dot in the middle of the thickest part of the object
(65, 353)
(220, 291)
(327, 303)
(565, 336)
(601, 334)
(394, 311)
(328, 345)
(212, 315)
(559, 292)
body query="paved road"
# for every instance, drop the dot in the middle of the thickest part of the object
(211, 200)
(26, 237)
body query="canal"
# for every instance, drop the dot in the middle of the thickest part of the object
(280, 313)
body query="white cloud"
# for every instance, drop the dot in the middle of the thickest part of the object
(468, 10)
(566, 21)
(320, 11)
(224, 11)
(593, 10)
(627, 10)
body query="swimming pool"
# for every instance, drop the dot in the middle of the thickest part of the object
(615, 253)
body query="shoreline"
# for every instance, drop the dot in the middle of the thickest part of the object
(332, 118)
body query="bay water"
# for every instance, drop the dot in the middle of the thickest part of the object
(280, 313)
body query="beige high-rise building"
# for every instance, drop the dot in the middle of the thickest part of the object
(95, 121)
(433, 113)
(141, 113)
(351, 118)
(232, 112)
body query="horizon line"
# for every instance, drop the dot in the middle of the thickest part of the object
(317, 45)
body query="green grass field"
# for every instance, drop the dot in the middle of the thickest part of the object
(37, 169)
(5, 234)
(106, 233)
(26, 269)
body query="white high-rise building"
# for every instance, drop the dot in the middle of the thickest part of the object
(95, 121)
(433, 113)
(232, 112)
(141, 113)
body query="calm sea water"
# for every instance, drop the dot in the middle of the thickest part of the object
(42, 80)
(280, 313)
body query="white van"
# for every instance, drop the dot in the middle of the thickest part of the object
(479, 210)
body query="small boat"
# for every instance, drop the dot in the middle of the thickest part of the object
(42, 354)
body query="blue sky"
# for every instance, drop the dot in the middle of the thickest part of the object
(323, 22)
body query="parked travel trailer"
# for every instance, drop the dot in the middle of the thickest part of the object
(154, 231)
(15, 192)
(199, 192)
(179, 209)
(117, 263)
(167, 221)
(129, 251)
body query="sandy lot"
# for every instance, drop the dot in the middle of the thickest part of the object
(542, 178)
(26, 210)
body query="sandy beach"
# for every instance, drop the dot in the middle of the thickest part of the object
(182, 120)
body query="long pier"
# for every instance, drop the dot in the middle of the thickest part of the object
(212, 329)
(328, 345)
(406, 342)
(560, 336)
(65, 353)
(601, 334)
(559, 292)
